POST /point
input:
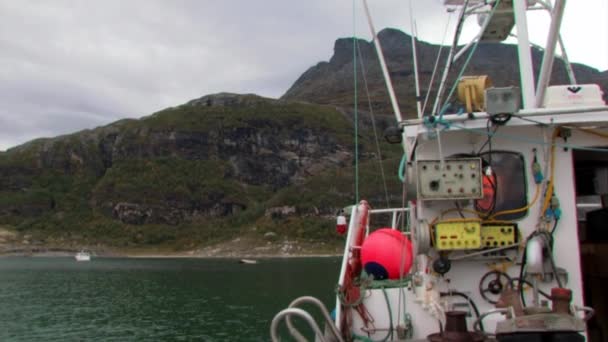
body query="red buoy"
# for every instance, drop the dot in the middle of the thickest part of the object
(386, 254)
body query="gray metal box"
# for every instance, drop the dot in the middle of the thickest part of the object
(505, 100)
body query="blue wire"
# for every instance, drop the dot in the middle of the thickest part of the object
(402, 164)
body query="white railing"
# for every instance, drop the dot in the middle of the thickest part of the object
(359, 219)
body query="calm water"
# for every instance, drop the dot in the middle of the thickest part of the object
(59, 299)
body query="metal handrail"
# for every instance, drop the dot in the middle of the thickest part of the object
(589, 311)
(312, 300)
(298, 312)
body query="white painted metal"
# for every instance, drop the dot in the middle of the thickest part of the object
(414, 36)
(526, 73)
(541, 115)
(387, 77)
(520, 134)
(358, 212)
(549, 56)
(448, 63)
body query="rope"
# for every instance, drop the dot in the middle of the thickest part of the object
(428, 92)
(466, 63)
(371, 113)
(356, 116)
(389, 334)
(402, 176)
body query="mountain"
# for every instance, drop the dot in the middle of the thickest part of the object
(331, 82)
(179, 175)
(227, 167)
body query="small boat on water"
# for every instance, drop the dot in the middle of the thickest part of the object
(83, 256)
(248, 261)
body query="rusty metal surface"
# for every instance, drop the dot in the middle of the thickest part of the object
(456, 330)
(539, 323)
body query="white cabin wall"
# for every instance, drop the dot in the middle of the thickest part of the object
(465, 276)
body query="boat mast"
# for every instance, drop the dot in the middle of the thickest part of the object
(414, 36)
(526, 73)
(549, 56)
(387, 77)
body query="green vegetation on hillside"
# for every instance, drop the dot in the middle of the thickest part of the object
(134, 184)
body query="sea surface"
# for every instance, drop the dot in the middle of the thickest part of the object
(120, 299)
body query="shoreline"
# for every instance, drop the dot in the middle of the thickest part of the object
(143, 254)
(237, 248)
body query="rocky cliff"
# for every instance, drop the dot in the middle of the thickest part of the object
(331, 82)
(220, 156)
(228, 164)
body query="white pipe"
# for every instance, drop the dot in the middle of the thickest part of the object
(546, 6)
(549, 56)
(523, 113)
(466, 47)
(526, 73)
(350, 237)
(387, 77)
(389, 210)
(448, 63)
(569, 69)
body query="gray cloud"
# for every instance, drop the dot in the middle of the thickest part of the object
(68, 65)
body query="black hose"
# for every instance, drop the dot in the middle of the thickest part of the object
(521, 274)
(465, 296)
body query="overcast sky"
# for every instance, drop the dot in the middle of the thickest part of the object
(71, 65)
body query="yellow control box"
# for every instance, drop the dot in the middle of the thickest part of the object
(498, 235)
(457, 235)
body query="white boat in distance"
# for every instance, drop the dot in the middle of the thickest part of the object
(83, 256)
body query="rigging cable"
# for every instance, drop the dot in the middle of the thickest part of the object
(466, 62)
(373, 119)
(428, 91)
(356, 118)
(448, 63)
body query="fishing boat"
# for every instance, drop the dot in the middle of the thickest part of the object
(487, 247)
(83, 256)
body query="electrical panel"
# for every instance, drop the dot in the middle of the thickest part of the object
(452, 179)
(498, 235)
(457, 235)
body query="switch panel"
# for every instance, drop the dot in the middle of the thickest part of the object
(457, 235)
(454, 180)
(498, 235)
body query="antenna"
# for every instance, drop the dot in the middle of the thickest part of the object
(414, 36)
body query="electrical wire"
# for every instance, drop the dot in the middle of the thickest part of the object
(519, 210)
(373, 119)
(549, 191)
(554, 226)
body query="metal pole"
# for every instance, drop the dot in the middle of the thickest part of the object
(387, 77)
(415, 57)
(448, 63)
(526, 73)
(549, 56)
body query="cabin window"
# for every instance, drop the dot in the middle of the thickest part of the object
(509, 182)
